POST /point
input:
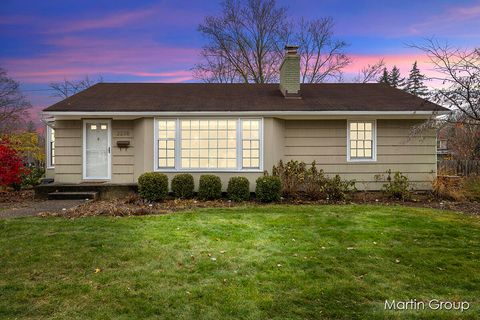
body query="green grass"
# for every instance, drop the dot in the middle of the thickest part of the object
(159, 266)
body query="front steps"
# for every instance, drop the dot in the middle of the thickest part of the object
(104, 191)
(85, 195)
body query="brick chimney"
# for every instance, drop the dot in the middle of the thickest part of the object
(290, 73)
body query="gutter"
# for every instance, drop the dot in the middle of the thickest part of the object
(242, 113)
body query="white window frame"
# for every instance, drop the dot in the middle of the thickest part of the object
(48, 147)
(84, 150)
(178, 146)
(374, 141)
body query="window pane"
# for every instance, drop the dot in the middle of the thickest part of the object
(361, 139)
(166, 143)
(216, 140)
(251, 143)
(50, 146)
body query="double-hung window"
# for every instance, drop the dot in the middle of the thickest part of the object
(50, 147)
(208, 144)
(361, 141)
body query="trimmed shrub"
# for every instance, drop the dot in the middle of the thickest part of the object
(210, 187)
(238, 189)
(268, 188)
(153, 186)
(337, 189)
(183, 186)
(397, 187)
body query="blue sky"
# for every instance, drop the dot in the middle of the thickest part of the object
(47, 41)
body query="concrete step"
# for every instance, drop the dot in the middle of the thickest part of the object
(90, 195)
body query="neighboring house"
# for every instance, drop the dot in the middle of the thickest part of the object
(114, 132)
(443, 152)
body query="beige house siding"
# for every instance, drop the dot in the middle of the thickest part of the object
(68, 151)
(123, 159)
(324, 141)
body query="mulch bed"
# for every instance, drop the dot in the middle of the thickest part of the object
(16, 196)
(134, 206)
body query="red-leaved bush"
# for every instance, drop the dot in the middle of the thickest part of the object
(11, 165)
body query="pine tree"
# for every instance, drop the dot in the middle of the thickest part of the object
(395, 78)
(384, 78)
(415, 83)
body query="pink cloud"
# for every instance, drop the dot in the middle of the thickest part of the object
(111, 21)
(76, 57)
(402, 61)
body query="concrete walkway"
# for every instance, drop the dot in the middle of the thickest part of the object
(32, 208)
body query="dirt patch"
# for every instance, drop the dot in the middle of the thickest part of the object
(15, 204)
(134, 206)
(9, 197)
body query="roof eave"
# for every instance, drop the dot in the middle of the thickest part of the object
(240, 113)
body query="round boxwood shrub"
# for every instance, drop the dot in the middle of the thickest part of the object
(238, 189)
(268, 188)
(210, 187)
(183, 186)
(153, 186)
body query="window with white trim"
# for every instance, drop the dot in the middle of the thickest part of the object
(166, 143)
(361, 142)
(208, 144)
(50, 147)
(251, 143)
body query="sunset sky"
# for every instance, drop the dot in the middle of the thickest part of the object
(158, 41)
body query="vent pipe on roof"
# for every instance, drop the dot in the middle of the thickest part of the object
(290, 73)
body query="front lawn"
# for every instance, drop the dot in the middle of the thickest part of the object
(263, 262)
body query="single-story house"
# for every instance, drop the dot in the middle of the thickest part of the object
(114, 132)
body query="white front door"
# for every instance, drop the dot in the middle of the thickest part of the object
(96, 149)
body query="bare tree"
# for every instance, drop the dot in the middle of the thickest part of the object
(66, 88)
(371, 72)
(246, 44)
(322, 56)
(464, 141)
(13, 104)
(459, 72)
(215, 69)
(247, 38)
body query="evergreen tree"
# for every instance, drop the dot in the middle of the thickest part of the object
(384, 78)
(395, 78)
(415, 83)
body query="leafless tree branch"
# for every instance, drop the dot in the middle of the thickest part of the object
(13, 104)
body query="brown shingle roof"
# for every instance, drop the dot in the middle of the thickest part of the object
(182, 97)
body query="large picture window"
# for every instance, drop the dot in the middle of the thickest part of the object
(361, 141)
(208, 144)
(50, 147)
